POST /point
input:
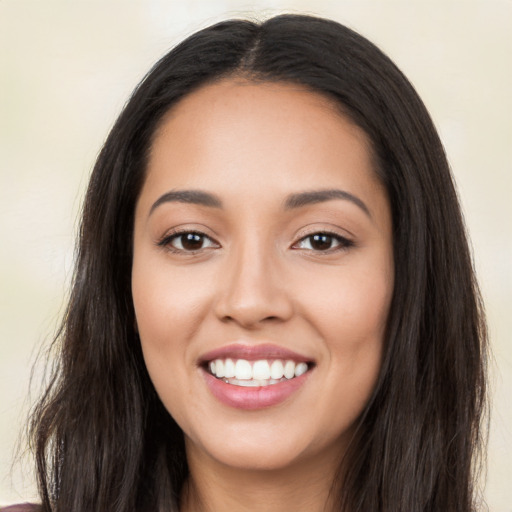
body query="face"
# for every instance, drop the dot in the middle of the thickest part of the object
(262, 273)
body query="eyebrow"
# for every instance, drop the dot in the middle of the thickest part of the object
(187, 196)
(293, 201)
(320, 196)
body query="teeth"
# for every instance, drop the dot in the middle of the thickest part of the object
(261, 370)
(252, 383)
(300, 369)
(219, 368)
(276, 370)
(258, 373)
(229, 368)
(289, 369)
(243, 370)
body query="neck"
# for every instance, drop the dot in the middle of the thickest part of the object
(303, 487)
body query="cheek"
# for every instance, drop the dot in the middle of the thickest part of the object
(159, 315)
(169, 303)
(351, 306)
(350, 312)
(163, 330)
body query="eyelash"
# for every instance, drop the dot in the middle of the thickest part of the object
(166, 242)
(343, 242)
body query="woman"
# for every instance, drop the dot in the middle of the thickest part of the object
(274, 306)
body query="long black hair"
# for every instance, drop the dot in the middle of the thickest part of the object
(103, 440)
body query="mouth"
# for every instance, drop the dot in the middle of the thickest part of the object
(259, 373)
(255, 376)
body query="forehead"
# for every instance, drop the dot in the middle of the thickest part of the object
(264, 135)
(240, 103)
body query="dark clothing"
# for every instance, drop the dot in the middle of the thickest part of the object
(24, 507)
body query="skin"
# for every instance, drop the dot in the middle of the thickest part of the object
(257, 278)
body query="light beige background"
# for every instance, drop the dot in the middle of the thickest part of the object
(66, 68)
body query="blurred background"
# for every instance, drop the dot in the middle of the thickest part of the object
(66, 69)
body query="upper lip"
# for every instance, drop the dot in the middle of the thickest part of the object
(253, 353)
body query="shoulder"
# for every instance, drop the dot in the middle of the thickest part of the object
(24, 507)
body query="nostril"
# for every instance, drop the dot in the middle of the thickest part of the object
(248, 298)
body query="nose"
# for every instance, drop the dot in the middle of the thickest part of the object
(253, 289)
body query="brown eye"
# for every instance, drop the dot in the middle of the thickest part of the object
(323, 242)
(189, 241)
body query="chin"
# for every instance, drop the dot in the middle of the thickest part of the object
(253, 457)
(265, 449)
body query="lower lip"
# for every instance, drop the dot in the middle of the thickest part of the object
(253, 398)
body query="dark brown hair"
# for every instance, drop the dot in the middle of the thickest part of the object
(104, 441)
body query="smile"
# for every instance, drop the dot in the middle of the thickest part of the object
(263, 372)
(255, 376)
